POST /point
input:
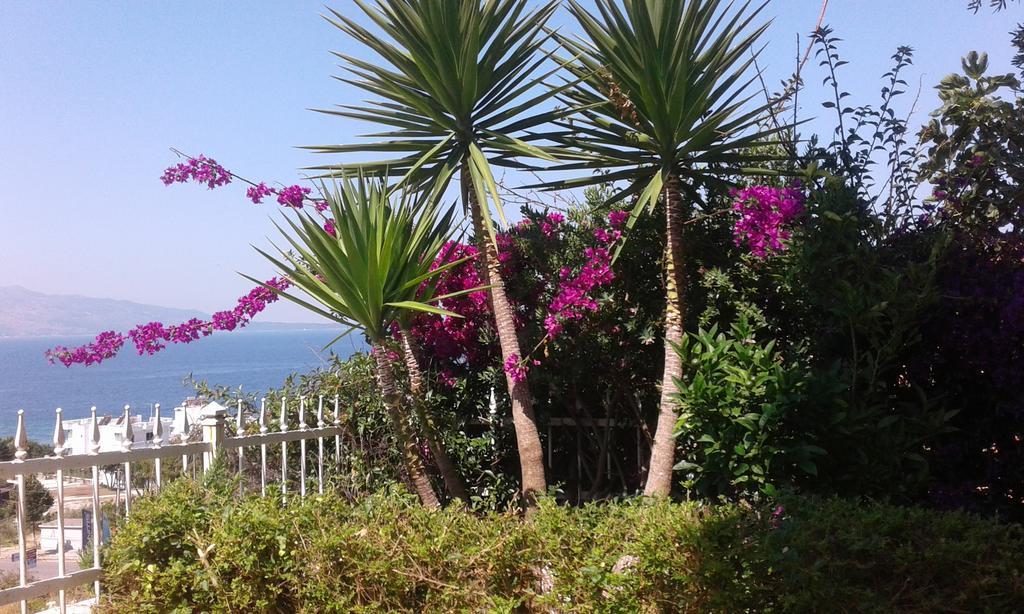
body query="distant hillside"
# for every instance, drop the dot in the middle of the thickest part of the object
(24, 313)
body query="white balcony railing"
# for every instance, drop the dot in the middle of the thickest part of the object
(214, 440)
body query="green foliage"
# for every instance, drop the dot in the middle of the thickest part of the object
(373, 267)
(455, 83)
(37, 499)
(35, 449)
(197, 547)
(661, 93)
(734, 424)
(974, 152)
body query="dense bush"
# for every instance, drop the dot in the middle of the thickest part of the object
(197, 547)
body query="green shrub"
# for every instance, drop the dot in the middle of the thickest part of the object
(734, 426)
(198, 547)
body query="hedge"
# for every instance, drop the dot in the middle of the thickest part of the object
(199, 547)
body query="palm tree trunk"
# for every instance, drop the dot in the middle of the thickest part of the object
(452, 480)
(411, 456)
(531, 453)
(659, 476)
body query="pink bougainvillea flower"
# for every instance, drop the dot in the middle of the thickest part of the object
(764, 212)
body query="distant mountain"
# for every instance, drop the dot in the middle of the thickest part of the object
(25, 313)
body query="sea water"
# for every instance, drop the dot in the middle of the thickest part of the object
(255, 360)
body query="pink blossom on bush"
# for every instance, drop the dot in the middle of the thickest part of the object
(574, 295)
(452, 345)
(764, 211)
(330, 228)
(617, 219)
(515, 368)
(551, 223)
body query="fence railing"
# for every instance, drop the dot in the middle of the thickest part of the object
(214, 441)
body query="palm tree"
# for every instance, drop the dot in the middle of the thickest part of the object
(455, 81)
(664, 106)
(366, 274)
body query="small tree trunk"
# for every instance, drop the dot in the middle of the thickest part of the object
(531, 452)
(452, 480)
(411, 456)
(659, 476)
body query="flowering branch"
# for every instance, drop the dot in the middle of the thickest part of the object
(152, 337)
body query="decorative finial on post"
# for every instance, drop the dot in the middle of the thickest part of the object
(320, 413)
(302, 413)
(284, 418)
(21, 438)
(94, 439)
(128, 435)
(58, 436)
(238, 420)
(493, 405)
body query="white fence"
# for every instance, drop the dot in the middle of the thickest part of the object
(214, 440)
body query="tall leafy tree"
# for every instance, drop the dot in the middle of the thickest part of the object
(455, 82)
(374, 264)
(665, 105)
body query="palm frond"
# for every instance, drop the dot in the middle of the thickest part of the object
(457, 84)
(663, 87)
(379, 261)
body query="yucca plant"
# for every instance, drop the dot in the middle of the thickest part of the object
(664, 106)
(374, 266)
(456, 82)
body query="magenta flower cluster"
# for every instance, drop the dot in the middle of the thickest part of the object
(549, 225)
(330, 228)
(515, 368)
(453, 344)
(617, 219)
(206, 170)
(200, 170)
(152, 337)
(764, 212)
(258, 192)
(292, 196)
(575, 292)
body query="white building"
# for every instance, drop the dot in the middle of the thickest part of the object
(78, 433)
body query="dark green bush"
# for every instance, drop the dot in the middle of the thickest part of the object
(197, 547)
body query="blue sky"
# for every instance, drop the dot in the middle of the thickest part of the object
(93, 95)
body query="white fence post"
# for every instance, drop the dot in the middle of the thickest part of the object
(127, 442)
(213, 433)
(241, 450)
(284, 447)
(94, 449)
(158, 440)
(320, 441)
(20, 453)
(185, 426)
(58, 451)
(263, 448)
(302, 448)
